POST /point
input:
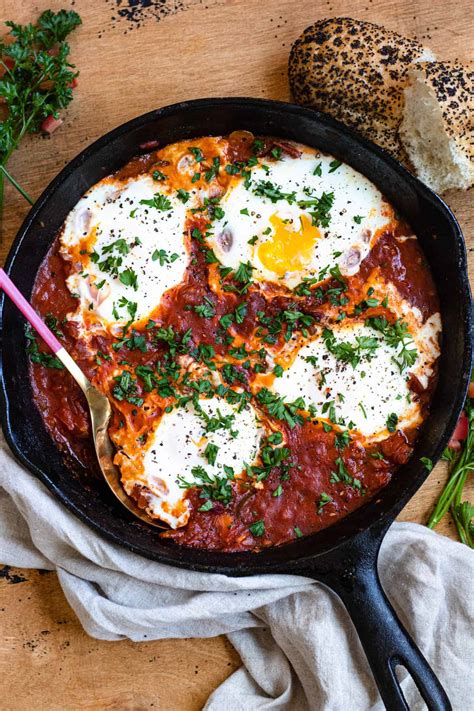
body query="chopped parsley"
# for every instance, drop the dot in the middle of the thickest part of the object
(182, 195)
(364, 347)
(257, 528)
(158, 175)
(207, 506)
(427, 462)
(163, 256)
(205, 310)
(265, 188)
(216, 488)
(158, 201)
(125, 388)
(320, 208)
(324, 500)
(392, 422)
(213, 170)
(277, 407)
(36, 356)
(396, 336)
(278, 491)
(52, 324)
(129, 278)
(197, 153)
(211, 453)
(244, 273)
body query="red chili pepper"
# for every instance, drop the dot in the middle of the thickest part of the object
(8, 62)
(50, 124)
(73, 84)
(460, 432)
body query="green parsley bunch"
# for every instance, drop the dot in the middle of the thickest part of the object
(36, 81)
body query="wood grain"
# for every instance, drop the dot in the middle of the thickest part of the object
(210, 48)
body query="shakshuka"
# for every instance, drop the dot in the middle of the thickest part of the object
(264, 324)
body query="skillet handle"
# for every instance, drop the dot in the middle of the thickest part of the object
(386, 643)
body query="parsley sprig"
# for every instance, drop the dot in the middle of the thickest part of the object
(215, 488)
(37, 356)
(37, 80)
(364, 347)
(397, 336)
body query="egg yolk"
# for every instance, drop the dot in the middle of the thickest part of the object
(287, 249)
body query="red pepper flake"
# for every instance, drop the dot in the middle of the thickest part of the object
(50, 124)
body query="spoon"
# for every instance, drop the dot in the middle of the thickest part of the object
(99, 405)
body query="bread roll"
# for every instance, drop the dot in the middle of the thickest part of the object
(356, 71)
(437, 126)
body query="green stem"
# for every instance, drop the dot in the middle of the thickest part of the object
(463, 532)
(455, 485)
(15, 184)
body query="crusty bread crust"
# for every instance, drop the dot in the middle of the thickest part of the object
(356, 71)
(444, 90)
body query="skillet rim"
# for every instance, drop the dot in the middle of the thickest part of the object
(276, 558)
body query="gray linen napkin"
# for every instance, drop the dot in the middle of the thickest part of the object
(298, 647)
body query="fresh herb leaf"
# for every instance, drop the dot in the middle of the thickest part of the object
(126, 389)
(158, 201)
(211, 453)
(158, 175)
(197, 153)
(182, 195)
(324, 500)
(206, 310)
(397, 336)
(320, 208)
(364, 347)
(277, 407)
(392, 422)
(257, 528)
(36, 356)
(37, 82)
(207, 506)
(129, 278)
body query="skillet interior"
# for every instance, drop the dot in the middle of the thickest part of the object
(439, 236)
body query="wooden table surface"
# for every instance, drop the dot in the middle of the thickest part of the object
(131, 61)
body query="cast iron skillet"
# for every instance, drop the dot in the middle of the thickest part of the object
(344, 556)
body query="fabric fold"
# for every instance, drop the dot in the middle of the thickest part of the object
(299, 649)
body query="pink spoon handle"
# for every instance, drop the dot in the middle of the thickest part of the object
(28, 312)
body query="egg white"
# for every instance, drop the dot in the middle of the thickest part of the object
(112, 211)
(365, 395)
(345, 242)
(178, 445)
